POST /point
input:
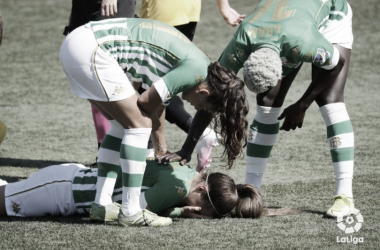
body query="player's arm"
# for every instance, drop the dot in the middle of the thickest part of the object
(186, 212)
(231, 16)
(151, 103)
(294, 114)
(200, 122)
(158, 133)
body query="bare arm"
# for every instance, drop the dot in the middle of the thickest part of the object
(158, 133)
(150, 102)
(229, 14)
(200, 122)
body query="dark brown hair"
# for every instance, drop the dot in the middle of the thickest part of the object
(228, 100)
(237, 201)
(222, 191)
(251, 205)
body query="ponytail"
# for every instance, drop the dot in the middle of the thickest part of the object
(250, 204)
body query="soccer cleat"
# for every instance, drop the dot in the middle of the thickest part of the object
(205, 147)
(104, 213)
(343, 206)
(2, 182)
(143, 218)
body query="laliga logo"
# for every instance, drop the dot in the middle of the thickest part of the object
(350, 226)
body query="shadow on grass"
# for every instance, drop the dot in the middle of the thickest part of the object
(73, 219)
(27, 163)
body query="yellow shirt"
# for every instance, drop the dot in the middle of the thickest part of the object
(172, 12)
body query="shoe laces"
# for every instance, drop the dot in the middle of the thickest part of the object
(341, 201)
(148, 217)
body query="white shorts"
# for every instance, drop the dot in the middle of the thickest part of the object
(340, 31)
(91, 72)
(47, 192)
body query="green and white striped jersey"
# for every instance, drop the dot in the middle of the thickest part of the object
(163, 187)
(152, 52)
(291, 28)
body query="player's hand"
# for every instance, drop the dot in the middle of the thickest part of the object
(180, 156)
(193, 212)
(109, 8)
(200, 168)
(231, 16)
(294, 115)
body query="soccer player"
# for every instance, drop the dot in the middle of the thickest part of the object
(171, 190)
(102, 59)
(271, 44)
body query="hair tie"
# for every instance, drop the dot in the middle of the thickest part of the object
(210, 197)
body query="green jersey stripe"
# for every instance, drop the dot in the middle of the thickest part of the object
(158, 54)
(85, 180)
(339, 128)
(342, 154)
(132, 153)
(258, 151)
(269, 129)
(84, 196)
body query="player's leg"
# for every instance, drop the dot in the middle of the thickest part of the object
(46, 192)
(340, 134)
(340, 138)
(137, 129)
(101, 124)
(188, 29)
(103, 208)
(264, 129)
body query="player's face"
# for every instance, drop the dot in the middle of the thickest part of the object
(197, 98)
(196, 199)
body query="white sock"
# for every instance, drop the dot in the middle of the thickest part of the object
(340, 137)
(133, 163)
(263, 133)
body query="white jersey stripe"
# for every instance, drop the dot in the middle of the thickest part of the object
(108, 26)
(145, 50)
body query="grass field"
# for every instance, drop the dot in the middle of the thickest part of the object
(48, 125)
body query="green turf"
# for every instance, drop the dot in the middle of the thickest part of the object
(48, 125)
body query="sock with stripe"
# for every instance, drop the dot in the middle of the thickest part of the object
(263, 134)
(133, 162)
(340, 137)
(108, 163)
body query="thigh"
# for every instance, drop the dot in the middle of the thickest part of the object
(125, 111)
(335, 92)
(275, 97)
(92, 73)
(188, 29)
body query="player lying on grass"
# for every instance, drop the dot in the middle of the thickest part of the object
(170, 190)
(102, 59)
